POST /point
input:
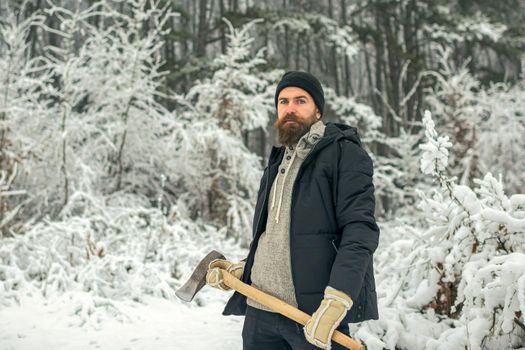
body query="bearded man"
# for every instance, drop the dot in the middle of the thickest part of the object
(314, 231)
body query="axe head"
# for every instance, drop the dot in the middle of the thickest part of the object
(197, 279)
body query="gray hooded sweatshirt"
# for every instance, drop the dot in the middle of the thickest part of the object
(271, 271)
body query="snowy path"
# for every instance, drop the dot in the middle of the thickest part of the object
(158, 324)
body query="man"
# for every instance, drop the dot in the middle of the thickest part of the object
(314, 231)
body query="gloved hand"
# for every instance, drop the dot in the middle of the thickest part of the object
(214, 276)
(320, 328)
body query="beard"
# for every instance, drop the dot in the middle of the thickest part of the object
(290, 134)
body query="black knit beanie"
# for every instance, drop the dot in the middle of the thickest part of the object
(304, 81)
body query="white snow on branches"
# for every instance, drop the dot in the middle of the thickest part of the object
(435, 155)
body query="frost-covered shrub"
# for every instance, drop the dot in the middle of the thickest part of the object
(109, 255)
(493, 297)
(475, 233)
(460, 282)
(12, 280)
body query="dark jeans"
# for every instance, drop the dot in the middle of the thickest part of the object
(271, 331)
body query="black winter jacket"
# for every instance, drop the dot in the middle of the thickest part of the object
(333, 233)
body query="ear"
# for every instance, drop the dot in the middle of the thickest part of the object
(317, 114)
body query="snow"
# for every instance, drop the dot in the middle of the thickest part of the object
(154, 324)
(498, 216)
(423, 294)
(435, 156)
(467, 198)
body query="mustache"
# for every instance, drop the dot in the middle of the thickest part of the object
(290, 118)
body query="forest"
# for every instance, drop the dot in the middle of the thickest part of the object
(133, 136)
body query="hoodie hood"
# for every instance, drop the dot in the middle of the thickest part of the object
(336, 131)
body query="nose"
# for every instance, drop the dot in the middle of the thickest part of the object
(289, 109)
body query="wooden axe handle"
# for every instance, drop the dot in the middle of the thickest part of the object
(283, 308)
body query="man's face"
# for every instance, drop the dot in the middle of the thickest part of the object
(296, 113)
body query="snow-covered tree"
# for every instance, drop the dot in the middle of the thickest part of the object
(131, 127)
(100, 126)
(485, 123)
(396, 175)
(20, 100)
(340, 37)
(221, 175)
(49, 132)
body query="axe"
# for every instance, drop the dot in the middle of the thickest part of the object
(198, 279)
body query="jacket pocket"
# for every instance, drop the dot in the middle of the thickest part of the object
(313, 259)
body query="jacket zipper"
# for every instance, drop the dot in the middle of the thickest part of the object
(333, 245)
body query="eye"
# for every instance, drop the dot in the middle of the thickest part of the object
(302, 101)
(282, 102)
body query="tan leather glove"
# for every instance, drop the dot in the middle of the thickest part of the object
(320, 328)
(214, 276)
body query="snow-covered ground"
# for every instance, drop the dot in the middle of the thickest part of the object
(154, 324)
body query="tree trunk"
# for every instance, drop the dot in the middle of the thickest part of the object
(221, 27)
(298, 52)
(202, 29)
(410, 31)
(348, 88)
(333, 63)
(308, 59)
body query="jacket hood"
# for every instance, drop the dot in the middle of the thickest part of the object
(336, 131)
